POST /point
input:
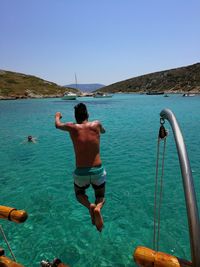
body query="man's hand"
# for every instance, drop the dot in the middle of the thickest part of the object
(58, 115)
(60, 125)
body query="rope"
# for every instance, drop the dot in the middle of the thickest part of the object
(156, 234)
(6, 241)
(155, 193)
(160, 199)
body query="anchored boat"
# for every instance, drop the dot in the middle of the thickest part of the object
(69, 96)
(154, 93)
(102, 95)
(188, 94)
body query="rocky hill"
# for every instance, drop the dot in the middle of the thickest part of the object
(184, 79)
(15, 85)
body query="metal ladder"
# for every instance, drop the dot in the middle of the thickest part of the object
(188, 184)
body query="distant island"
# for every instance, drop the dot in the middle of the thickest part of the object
(86, 87)
(15, 85)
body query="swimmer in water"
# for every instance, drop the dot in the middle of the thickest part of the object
(31, 139)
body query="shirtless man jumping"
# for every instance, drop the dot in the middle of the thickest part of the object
(85, 136)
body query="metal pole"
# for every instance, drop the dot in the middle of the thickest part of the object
(190, 196)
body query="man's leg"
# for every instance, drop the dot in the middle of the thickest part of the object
(83, 199)
(100, 200)
(81, 196)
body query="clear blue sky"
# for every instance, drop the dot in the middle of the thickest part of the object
(102, 41)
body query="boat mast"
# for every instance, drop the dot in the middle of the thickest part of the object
(76, 81)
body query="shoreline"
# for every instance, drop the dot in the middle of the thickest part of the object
(60, 96)
(28, 97)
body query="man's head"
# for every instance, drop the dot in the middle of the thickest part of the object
(81, 113)
(30, 138)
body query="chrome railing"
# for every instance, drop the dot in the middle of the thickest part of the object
(188, 184)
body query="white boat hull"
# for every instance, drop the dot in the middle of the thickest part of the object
(69, 96)
(102, 96)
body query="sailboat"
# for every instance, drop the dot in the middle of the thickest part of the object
(70, 95)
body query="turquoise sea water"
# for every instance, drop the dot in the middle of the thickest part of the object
(38, 178)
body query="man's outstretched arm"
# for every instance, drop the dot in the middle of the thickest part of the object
(60, 125)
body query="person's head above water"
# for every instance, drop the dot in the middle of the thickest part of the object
(81, 113)
(30, 138)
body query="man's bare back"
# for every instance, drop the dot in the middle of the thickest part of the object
(86, 141)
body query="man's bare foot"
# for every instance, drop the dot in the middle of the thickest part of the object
(91, 210)
(98, 218)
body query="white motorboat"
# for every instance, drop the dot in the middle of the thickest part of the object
(188, 94)
(102, 95)
(69, 96)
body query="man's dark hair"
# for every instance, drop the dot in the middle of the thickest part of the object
(81, 113)
(30, 138)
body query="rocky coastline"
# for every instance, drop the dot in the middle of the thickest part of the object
(16, 97)
(181, 80)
